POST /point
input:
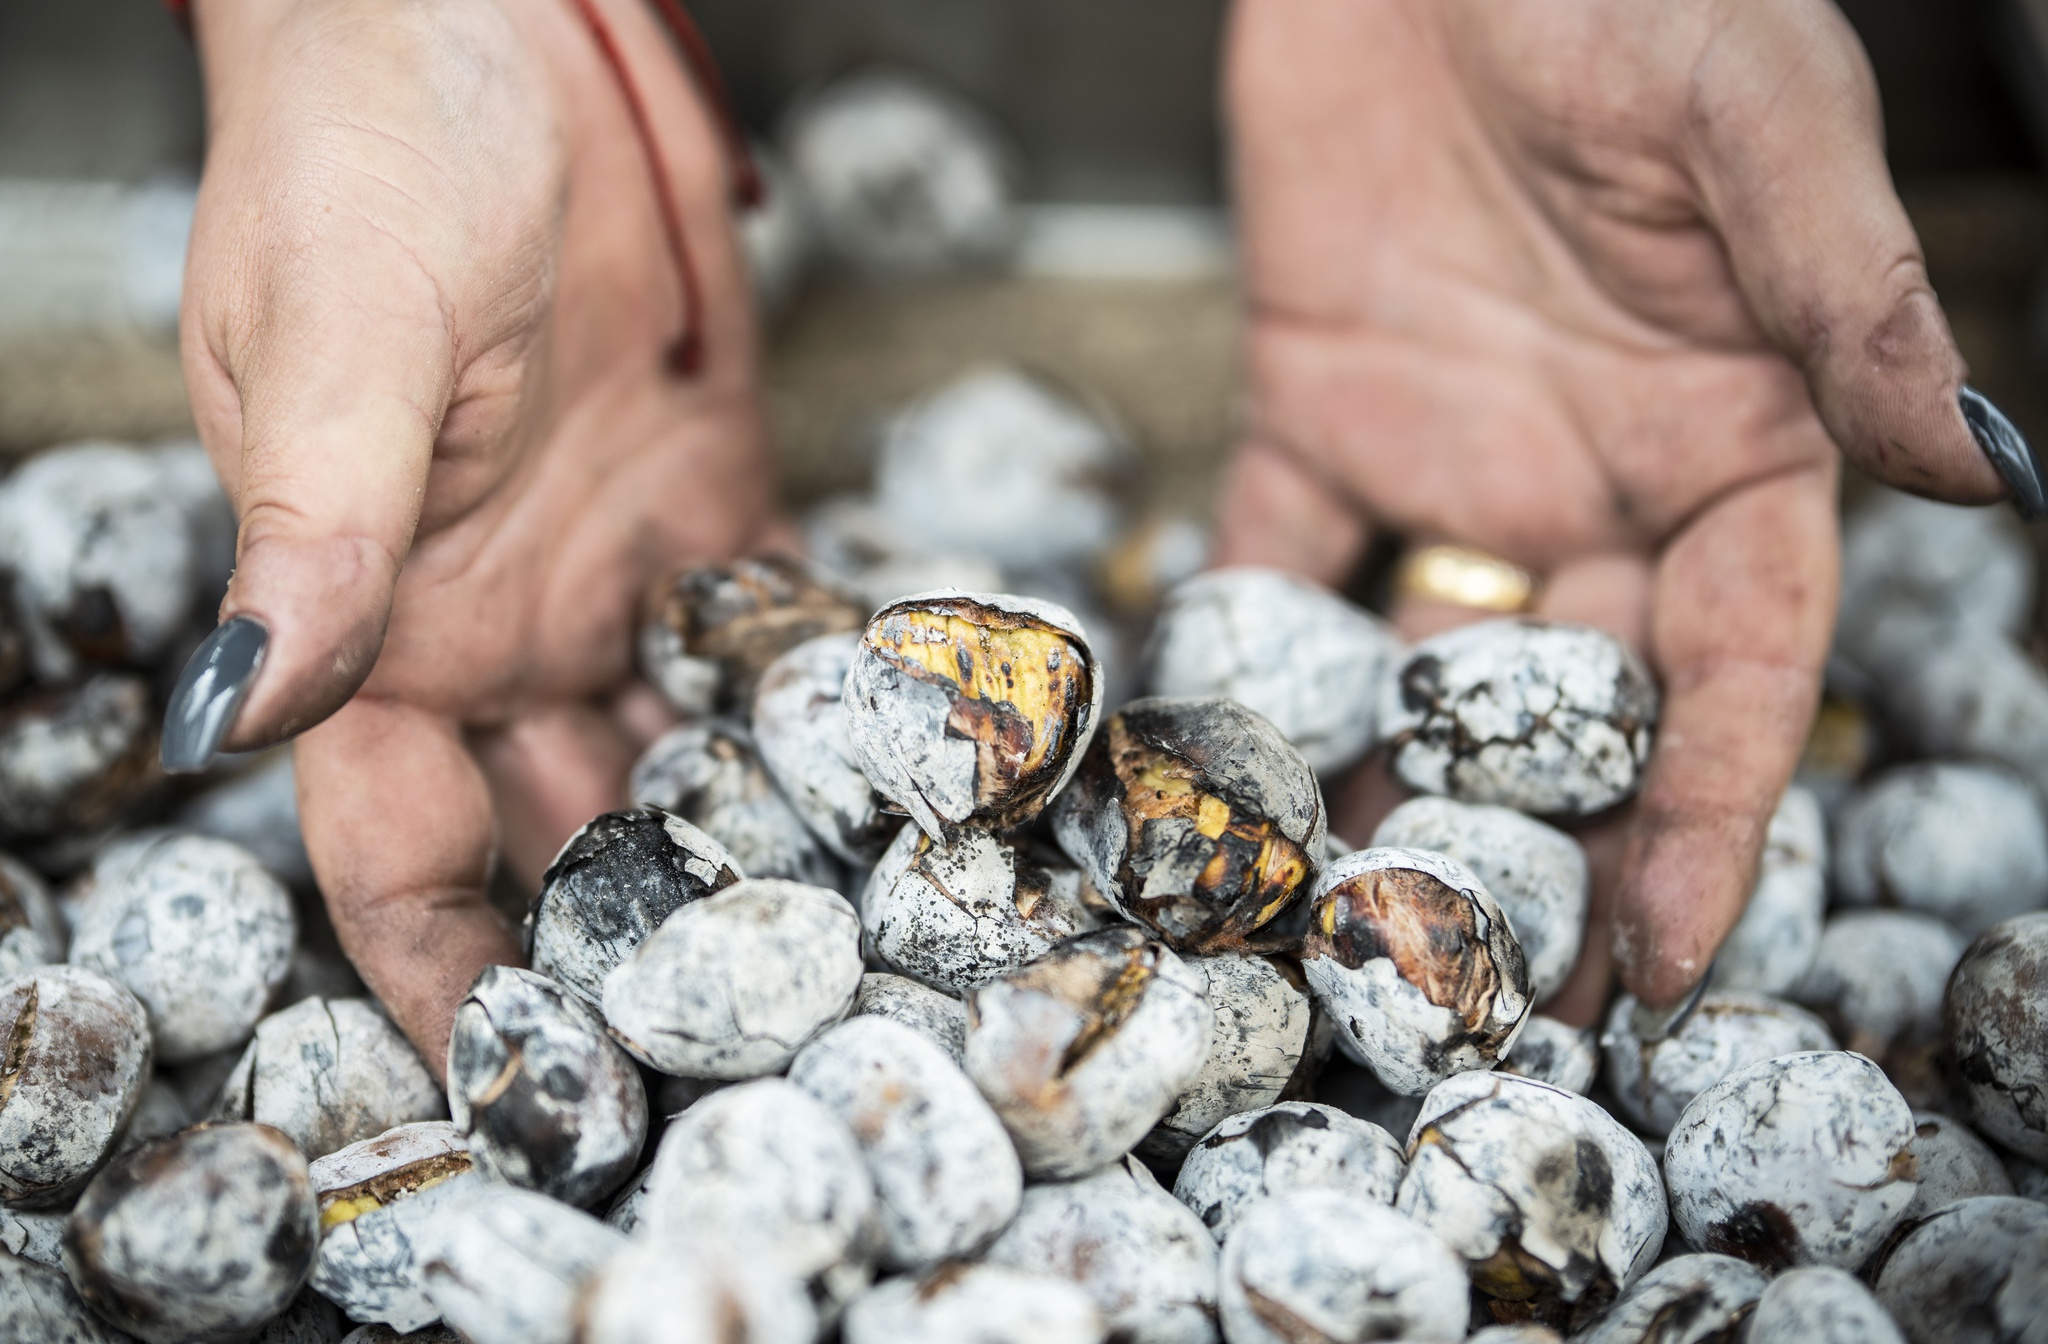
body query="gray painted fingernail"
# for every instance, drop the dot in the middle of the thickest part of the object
(210, 692)
(2009, 451)
(1655, 1024)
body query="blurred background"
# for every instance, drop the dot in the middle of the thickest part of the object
(1116, 283)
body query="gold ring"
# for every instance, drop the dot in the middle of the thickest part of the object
(1465, 578)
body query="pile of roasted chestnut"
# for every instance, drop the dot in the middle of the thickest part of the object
(918, 998)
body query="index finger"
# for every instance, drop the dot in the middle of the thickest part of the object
(1743, 605)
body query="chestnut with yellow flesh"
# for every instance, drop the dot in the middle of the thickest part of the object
(1018, 685)
(352, 1202)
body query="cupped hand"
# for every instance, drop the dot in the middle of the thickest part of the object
(431, 300)
(1598, 286)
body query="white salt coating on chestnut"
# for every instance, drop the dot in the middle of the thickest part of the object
(32, 931)
(1964, 843)
(545, 1098)
(1907, 558)
(1881, 974)
(506, 1266)
(956, 914)
(1294, 1145)
(1951, 1163)
(765, 1168)
(1550, 719)
(377, 1199)
(200, 932)
(776, 232)
(76, 759)
(204, 1235)
(1416, 966)
(101, 556)
(971, 708)
(902, 177)
(1976, 1270)
(709, 774)
(1544, 1194)
(1805, 1159)
(1194, 817)
(1258, 1032)
(1515, 1334)
(1958, 692)
(612, 884)
(35, 1235)
(988, 1304)
(1143, 1256)
(329, 1073)
(684, 1290)
(1689, 1299)
(1001, 465)
(37, 1304)
(1314, 1264)
(800, 730)
(1774, 942)
(920, 1007)
(1550, 1052)
(733, 985)
(77, 1061)
(1285, 647)
(946, 1178)
(1654, 1081)
(1082, 1051)
(257, 809)
(1995, 1023)
(1535, 872)
(1819, 1304)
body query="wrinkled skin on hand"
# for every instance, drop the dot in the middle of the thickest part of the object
(428, 306)
(1600, 287)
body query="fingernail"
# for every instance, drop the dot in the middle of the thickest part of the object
(1652, 1025)
(2009, 452)
(210, 691)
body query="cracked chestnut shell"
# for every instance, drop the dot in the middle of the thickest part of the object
(202, 1236)
(1416, 966)
(1555, 1207)
(613, 884)
(1995, 1020)
(1194, 817)
(77, 1061)
(1805, 1159)
(710, 774)
(1976, 1270)
(1689, 1299)
(711, 630)
(1551, 719)
(1082, 1051)
(546, 1099)
(376, 1200)
(971, 709)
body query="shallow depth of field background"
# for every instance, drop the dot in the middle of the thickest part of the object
(1111, 102)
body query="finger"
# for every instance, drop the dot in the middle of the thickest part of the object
(549, 772)
(1788, 152)
(1271, 510)
(1744, 600)
(397, 821)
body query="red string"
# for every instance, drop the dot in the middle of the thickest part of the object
(704, 69)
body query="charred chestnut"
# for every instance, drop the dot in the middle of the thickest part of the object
(711, 630)
(800, 730)
(376, 1200)
(614, 882)
(329, 1073)
(1416, 966)
(709, 774)
(1197, 819)
(545, 1098)
(971, 709)
(1996, 1025)
(77, 1062)
(76, 759)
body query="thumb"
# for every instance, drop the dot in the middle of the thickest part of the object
(339, 361)
(1787, 149)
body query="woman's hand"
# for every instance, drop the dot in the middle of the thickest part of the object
(1598, 286)
(430, 302)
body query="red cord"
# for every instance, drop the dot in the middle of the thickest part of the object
(703, 66)
(686, 355)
